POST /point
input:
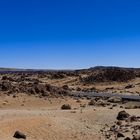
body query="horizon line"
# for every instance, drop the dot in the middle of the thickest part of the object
(64, 69)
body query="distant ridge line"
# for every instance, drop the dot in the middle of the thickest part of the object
(55, 70)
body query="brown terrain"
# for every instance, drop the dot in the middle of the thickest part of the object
(43, 104)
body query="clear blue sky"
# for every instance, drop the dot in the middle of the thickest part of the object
(57, 34)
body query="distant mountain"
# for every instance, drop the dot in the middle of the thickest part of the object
(112, 67)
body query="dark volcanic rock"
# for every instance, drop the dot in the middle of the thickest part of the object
(92, 102)
(57, 76)
(45, 94)
(123, 115)
(19, 135)
(5, 86)
(133, 119)
(129, 86)
(65, 87)
(109, 75)
(136, 137)
(78, 89)
(119, 123)
(66, 107)
(120, 135)
(4, 78)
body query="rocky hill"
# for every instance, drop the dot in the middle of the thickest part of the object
(44, 83)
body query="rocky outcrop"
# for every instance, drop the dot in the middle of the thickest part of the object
(109, 75)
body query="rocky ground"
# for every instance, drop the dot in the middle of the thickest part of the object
(38, 105)
(94, 119)
(59, 83)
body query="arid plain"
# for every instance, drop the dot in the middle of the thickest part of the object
(49, 105)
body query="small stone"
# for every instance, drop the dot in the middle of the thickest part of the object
(129, 86)
(19, 135)
(120, 135)
(133, 119)
(92, 102)
(114, 105)
(5, 103)
(66, 107)
(122, 115)
(113, 128)
(14, 96)
(121, 106)
(119, 123)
